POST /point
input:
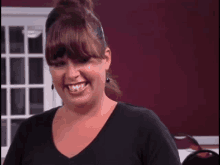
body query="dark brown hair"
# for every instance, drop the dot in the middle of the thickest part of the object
(73, 29)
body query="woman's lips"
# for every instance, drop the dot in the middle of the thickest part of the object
(79, 86)
(76, 89)
(76, 83)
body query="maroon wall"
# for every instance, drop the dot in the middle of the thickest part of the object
(166, 56)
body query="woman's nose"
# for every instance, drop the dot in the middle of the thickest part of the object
(72, 71)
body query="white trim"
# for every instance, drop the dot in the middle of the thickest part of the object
(6, 40)
(28, 11)
(4, 151)
(23, 55)
(24, 86)
(26, 66)
(57, 101)
(17, 116)
(205, 140)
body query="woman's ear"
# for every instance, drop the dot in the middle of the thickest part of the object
(108, 58)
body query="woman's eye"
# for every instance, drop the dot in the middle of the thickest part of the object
(59, 64)
(84, 60)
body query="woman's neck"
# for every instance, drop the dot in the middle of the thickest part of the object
(90, 111)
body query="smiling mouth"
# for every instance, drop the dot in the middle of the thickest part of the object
(77, 88)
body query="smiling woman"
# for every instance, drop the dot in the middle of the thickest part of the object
(90, 128)
(77, 52)
(76, 32)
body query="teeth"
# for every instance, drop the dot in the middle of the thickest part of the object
(76, 87)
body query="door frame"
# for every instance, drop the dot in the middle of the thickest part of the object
(32, 11)
(51, 97)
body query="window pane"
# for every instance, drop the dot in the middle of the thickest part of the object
(3, 39)
(17, 71)
(4, 132)
(36, 100)
(16, 39)
(15, 123)
(17, 101)
(3, 71)
(3, 101)
(36, 70)
(35, 39)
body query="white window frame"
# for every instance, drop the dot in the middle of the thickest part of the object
(51, 98)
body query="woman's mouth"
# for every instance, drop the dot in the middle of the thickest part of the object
(77, 88)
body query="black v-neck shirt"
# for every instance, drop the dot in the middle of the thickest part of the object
(132, 135)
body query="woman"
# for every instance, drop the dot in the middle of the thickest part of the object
(90, 128)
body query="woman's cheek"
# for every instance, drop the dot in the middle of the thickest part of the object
(57, 78)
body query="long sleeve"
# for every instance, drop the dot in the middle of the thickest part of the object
(159, 146)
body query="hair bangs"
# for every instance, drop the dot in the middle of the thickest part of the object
(77, 41)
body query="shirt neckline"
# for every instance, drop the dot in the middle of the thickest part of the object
(103, 129)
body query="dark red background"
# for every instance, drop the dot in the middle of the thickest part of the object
(166, 55)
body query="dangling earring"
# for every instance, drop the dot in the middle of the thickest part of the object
(107, 80)
(52, 87)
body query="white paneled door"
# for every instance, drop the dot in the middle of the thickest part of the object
(25, 77)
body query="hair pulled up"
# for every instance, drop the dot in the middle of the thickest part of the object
(72, 29)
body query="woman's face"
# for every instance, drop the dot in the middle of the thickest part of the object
(90, 77)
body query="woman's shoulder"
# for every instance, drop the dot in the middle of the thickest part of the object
(145, 116)
(36, 123)
(135, 109)
(41, 118)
